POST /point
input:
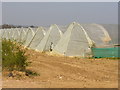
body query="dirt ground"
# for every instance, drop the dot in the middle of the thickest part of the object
(64, 72)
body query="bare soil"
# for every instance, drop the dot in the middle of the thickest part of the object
(64, 72)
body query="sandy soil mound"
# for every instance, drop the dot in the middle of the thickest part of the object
(63, 72)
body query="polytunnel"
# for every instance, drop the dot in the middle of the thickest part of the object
(16, 34)
(11, 32)
(2, 31)
(23, 35)
(6, 34)
(63, 28)
(113, 32)
(39, 34)
(98, 34)
(29, 36)
(74, 42)
(51, 38)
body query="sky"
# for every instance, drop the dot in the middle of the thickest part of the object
(0, 13)
(60, 0)
(61, 13)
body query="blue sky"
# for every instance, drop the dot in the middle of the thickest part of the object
(62, 13)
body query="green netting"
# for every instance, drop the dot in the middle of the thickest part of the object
(106, 52)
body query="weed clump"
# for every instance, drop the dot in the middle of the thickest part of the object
(13, 56)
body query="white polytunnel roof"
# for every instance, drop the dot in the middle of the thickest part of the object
(98, 34)
(113, 32)
(1, 32)
(3, 35)
(29, 36)
(11, 32)
(46, 28)
(52, 36)
(62, 28)
(40, 33)
(34, 29)
(6, 33)
(23, 35)
(69, 40)
(74, 41)
(16, 34)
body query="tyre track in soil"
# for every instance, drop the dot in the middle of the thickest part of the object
(74, 68)
(62, 72)
(77, 70)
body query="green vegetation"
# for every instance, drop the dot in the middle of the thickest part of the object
(29, 72)
(13, 56)
(113, 58)
(14, 59)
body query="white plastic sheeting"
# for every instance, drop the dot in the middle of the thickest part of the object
(113, 32)
(98, 34)
(63, 28)
(23, 35)
(70, 40)
(6, 34)
(11, 32)
(20, 31)
(51, 38)
(73, 43)
(2, 32)
(39, 34)
(34, 29)
(29, 36)
(16, 34)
